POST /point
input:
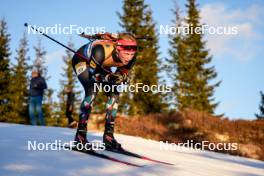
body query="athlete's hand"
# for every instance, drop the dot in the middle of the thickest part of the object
(115, 78)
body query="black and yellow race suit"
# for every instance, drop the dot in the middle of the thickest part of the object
(101, 56)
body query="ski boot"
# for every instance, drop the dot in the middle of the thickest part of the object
(80, 137)
(108, 137)
(111, 143)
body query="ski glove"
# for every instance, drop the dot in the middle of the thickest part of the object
(115, 78)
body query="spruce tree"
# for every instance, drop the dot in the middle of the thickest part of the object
(5, 74)
(137, 19)
(20, 97)
(39, 62)
(69, 80)
(175, 67)
(260, 116)
(193, 85)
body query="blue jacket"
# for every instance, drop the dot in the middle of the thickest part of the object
(37, 86)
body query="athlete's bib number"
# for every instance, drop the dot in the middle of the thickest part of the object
(80, 67)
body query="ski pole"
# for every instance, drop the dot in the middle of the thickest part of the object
(75, 52)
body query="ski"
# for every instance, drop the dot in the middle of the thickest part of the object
(128, 153)
(103, 156)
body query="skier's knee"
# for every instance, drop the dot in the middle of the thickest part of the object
(112, 104)
(87, 103)
(111, 110)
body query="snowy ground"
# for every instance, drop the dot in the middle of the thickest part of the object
(16, 160)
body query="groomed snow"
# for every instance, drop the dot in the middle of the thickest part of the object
(17, 160)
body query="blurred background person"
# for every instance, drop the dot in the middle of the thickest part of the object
(37, 86)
